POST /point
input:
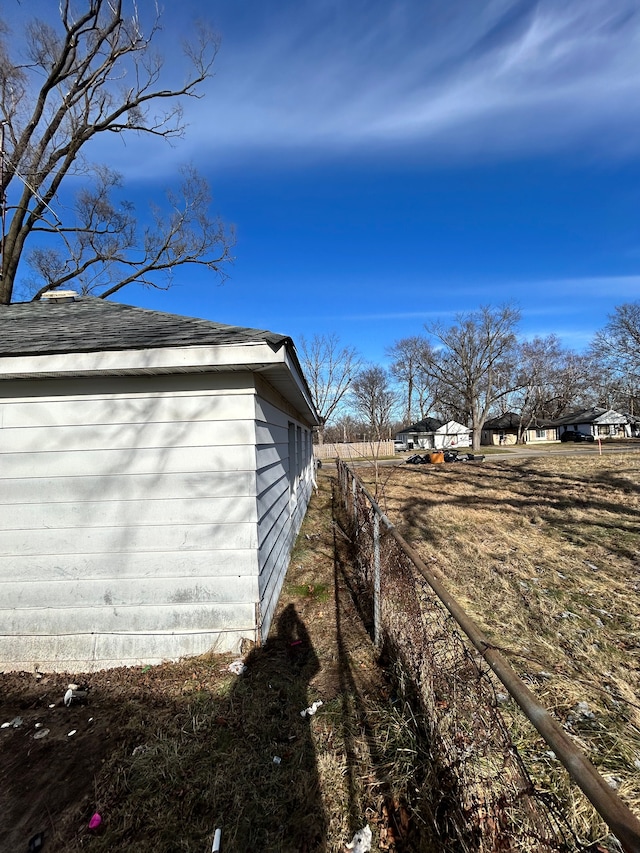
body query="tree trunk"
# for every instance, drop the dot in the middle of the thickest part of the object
(477, 425)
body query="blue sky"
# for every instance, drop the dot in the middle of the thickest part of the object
(390, 163)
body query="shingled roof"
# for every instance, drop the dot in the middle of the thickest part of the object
(427, 425)
(89, 324)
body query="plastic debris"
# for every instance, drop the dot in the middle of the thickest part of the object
(74, 693)
(277, 759)
(215, 847)
(95, 821)
(310, 711)
(237, 667)
(36, 842)
(361, 841)
(582, 709)
(16, 723)
(40, 734)
(5, 725)
(71, 733)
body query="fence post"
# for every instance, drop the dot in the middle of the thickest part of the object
(354, 495)
(376, 577)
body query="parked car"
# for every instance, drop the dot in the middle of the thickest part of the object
(574, 435)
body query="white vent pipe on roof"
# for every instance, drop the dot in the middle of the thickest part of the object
(59, 296)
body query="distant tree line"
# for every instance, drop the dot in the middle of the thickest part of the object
(473, 369)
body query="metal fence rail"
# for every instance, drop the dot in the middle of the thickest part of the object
(487, 801)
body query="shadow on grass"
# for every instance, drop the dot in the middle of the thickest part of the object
(221, 751)
(278, 793)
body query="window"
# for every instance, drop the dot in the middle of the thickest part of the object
(541, 433)
(292, 460)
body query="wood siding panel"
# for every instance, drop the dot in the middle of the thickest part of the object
(133, 436)
(66, 389)
(128, 592)
(113, 567)
(88, 653)
(270, 454)
(109, 487)
(279, 512)
(155, 460)
(118, 540)
(179, 618)
(129, 513)
(271, 434)
(269, 476)
(274, 504)
(57, 413)
(143, 517)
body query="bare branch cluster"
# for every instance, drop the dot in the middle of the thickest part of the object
(616, 354)
(410, 356)
(473, 361)
(374, 400)
(329, 368)
(96, 72)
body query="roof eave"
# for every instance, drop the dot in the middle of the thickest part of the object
(259, 357)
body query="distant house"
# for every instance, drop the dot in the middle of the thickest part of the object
(600, 423)
(154, 472)
(634, 425)
(433, 434)
(503, 430)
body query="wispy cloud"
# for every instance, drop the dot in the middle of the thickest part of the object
(452, 75)
(625, 287)
(445, 79)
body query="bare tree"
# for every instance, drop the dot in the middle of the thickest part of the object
(345, 428)
(409, 355)
(551, 380)
(616, 350)
(96, 73)
(374, 400)
(473, 361)
(329, 369)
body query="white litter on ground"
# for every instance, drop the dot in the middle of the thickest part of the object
(310, 711)
(361, 841)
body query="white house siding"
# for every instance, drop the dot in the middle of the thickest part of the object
(128, 519)
(284, 481)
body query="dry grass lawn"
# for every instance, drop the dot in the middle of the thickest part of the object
(544, 553)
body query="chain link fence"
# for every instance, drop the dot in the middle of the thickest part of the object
(483, 798)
